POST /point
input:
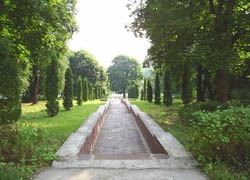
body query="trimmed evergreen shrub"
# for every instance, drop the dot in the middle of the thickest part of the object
(79, 90)
(133, 92)
(149, 91)
(142, 95)
(168, 99)
(68, 90)
(51, 89)
(157, 89)
(136, 91)
(91, 92)
(10, 103)
(85, 90)
(145, 90)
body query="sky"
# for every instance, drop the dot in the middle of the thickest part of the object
(103, 34)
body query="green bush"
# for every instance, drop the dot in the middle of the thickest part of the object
(22, 144)
(85, 89)
(133, 91)
(10, 110)
(79, 90)
(149, 91)
(52, 108)
(242, 95)
(10, 84)
(167, 92)
(68, 90)
(145, 90)
(187, 110)
(52, 89)
(142, 94)
(222, 135)
(185, 113)
(10, 171)
(157, 89)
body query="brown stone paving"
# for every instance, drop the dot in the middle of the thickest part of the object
(119, 137)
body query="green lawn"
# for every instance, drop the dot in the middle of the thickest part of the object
(58, 128)
(167, 118)
(32, 142)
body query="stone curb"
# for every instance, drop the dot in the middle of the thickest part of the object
(72, 146)
(171, 145)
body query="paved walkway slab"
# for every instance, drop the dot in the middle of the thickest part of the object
(120, 153)
(119, 137)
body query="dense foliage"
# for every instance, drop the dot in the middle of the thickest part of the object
(187, 91)
(79, 90)
(133, 91)
(211, 36)
(68, 90)
(32, 142)
(10, 85)
(157, 89)
(167, 92)
(123, 72)
(85, 65)
(85, 89)
(145, 89)
(225, 135)
(142, 95)
(52, 89)
(149, 91)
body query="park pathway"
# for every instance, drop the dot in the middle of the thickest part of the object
(119, 137)
(121, 153)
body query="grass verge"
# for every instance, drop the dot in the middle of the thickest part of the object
(167, 118)
(32, 142)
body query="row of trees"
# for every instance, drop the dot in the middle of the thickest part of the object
(147, 91)
(80, 62)
(205, 41)
(32, 34)
(34, 55)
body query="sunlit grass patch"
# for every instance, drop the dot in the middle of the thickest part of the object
(58, 128)
(32, 142)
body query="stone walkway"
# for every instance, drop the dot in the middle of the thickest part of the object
(121, 153)
(119, 137)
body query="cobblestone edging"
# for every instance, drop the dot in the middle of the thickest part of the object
(82, 140)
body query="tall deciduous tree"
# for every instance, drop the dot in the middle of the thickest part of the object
(208, 33)
(157, 89)
(68, 90)
(84, 64)
(123, 72)
(52, 88)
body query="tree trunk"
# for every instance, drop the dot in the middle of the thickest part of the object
(199, 85)
(222, 85)
(186, 94)
(34, 89)
(124, 93)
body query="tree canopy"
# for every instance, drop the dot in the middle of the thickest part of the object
(123, 72)
(211, 34)
(85, 65)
